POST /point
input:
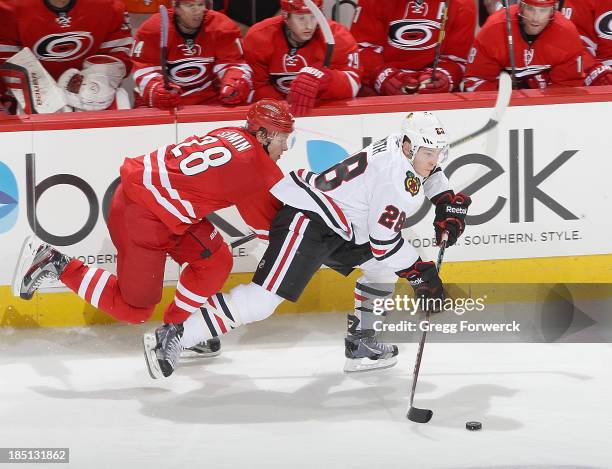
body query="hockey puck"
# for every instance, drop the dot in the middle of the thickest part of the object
(473, 426)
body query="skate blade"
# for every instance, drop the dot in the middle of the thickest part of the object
(187, 354)
(148, 345)
(357, 365)
(26, 257)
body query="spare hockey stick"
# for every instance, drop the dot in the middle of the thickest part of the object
(504, 94)
(414, 413)
(339, 3)
(440, 39)
(325, 29)
(163, 43)
(510, 44)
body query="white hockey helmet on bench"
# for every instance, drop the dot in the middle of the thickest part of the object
(423, 129)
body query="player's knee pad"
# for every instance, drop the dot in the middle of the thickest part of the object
(254, 302)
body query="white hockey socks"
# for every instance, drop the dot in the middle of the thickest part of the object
(225, 312)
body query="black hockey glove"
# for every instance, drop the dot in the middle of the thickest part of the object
(427, 285)
(451, 210)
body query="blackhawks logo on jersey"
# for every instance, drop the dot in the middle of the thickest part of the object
(412, 183)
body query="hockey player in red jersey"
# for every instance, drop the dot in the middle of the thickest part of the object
(593, 19)
(347, 216)
(547, 49)
(286, 53)
(397, 42)
(205, 62)
(159, 209)
(64, 35)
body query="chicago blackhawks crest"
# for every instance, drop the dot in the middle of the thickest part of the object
(412, 183)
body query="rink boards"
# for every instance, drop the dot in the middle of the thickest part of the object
(539, 183)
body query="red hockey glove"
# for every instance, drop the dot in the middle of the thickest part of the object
(235, 87)
(600, 75)
(305, 88)
(442, 84)
(451, 210)
(391, 82)
(156, 95)
(537, 82)
(426, 283)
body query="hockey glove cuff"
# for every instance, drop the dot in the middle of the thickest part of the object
(305, 88)
(599, 76)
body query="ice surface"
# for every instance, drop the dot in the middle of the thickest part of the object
(277, 398)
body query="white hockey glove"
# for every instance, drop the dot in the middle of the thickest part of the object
(93, 88)
(111, 67)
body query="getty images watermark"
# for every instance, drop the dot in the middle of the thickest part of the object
(490, 313)
(459, 306)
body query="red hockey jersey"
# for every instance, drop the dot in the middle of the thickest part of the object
(593, 19)
(275, 64)
(63, 39)
(183, 183)
(195, 64)
(557, 51)
(403, 34)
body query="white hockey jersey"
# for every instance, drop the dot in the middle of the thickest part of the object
(366, 197)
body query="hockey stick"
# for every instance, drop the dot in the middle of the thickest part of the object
(440, 39)
(414, 413)
(163, 43)
(510, 44)
(243, 240)
(339, 3)
(504, 94)
(325, 29)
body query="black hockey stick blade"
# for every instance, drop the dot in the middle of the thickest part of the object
(419, 415)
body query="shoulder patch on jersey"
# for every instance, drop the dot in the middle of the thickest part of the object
(412, 183)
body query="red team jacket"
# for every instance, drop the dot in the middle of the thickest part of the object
(63, 40)
(593, 19)
(195, 64)
(275, 64)
(183, 183)
(403, 35)
(557, 51)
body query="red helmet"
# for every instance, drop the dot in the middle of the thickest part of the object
(272, 115)
(541, 3)
(298, 6)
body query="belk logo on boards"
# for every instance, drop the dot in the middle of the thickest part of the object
(9, 198)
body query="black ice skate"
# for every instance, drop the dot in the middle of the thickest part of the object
(364, 353)
(205, 349)
(162, 349)
(37, 262)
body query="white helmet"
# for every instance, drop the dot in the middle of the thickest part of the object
(423, 129)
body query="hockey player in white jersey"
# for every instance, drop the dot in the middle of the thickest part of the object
(348, 216)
